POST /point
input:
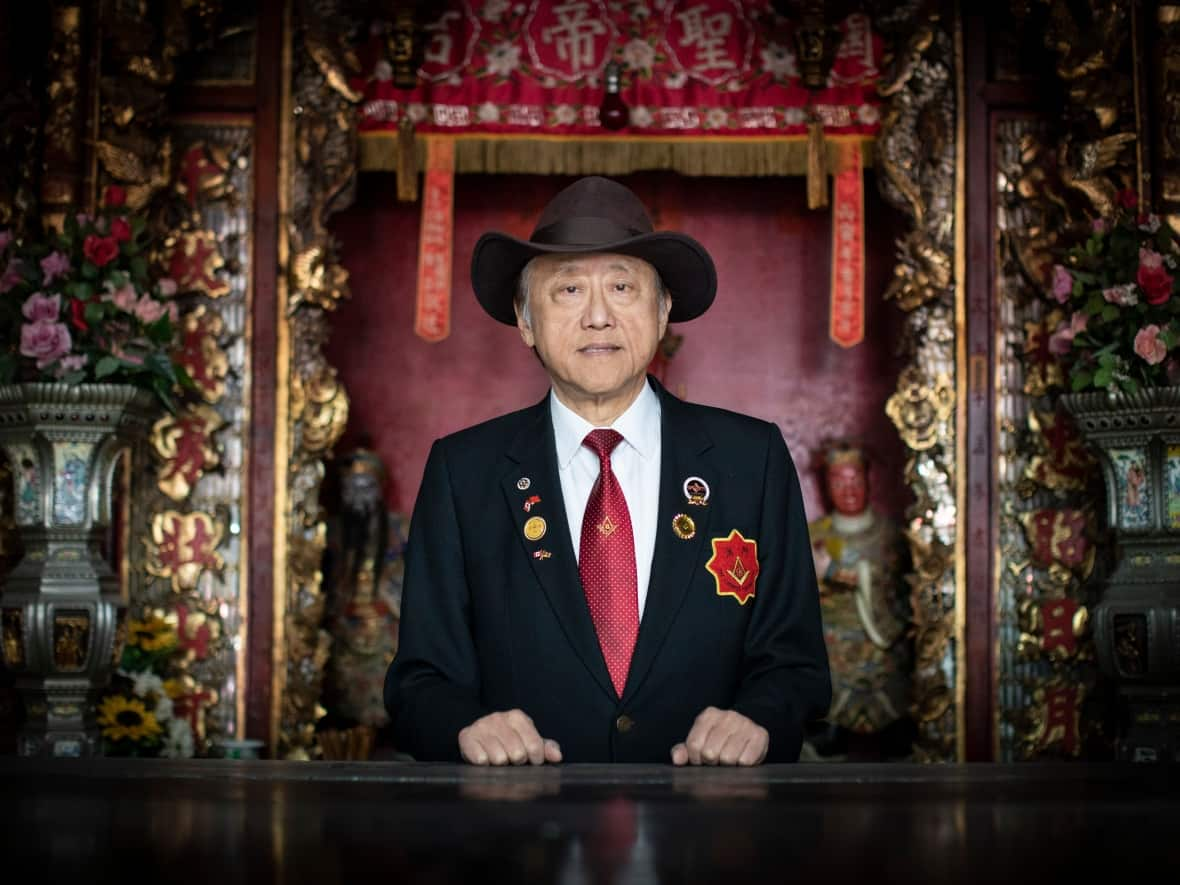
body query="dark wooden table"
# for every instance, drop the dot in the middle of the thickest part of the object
(220, 822)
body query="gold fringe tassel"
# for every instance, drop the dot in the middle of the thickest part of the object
(406, 162)
(817, 166)
(604, 155)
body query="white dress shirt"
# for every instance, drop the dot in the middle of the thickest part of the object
(635, 462)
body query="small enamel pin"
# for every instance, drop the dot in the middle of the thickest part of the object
(532, 499)
(684, 527)
(541, 554)
(523, 483)
(607, 527)
(696, 490)
(534, 528)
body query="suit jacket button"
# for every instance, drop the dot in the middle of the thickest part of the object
(624, 723)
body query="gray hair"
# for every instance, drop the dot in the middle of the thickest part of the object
(524, 288)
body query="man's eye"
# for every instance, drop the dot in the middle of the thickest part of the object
(622, 287)
(570, 290)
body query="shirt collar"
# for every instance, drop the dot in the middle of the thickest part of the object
(639, 425)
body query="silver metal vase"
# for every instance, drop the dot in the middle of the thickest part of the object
(1137, 623)
(62, 607)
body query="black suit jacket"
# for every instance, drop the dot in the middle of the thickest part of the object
(487, 626)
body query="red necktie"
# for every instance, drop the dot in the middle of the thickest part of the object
(607, 562)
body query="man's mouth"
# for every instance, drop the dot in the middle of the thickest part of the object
(597, 349)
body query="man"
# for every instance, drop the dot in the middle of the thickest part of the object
(612, 574)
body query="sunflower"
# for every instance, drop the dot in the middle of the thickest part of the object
(127, 718)
(151, 634)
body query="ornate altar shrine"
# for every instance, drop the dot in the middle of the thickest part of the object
(245, 136)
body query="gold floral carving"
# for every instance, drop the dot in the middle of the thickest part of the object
(184, 444)
(1166, 76)
(196, 262)
(920, 410)
(201, 354)
(323, 157)
(916, 152)
(64, 115)
(182, 546)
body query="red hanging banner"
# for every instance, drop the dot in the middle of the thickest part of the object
(706, 67)
(432, 315)
(847, 317)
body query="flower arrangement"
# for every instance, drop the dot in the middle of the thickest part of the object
(1120, 287)
(136, 714)
(82, 305)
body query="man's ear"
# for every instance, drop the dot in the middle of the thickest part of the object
(526, 331)
(665, 310)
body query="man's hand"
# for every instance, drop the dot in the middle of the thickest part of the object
(508, 738)
(722, 737)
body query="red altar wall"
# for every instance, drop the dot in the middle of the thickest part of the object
(762, 349)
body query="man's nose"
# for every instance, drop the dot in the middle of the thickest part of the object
(598, 314)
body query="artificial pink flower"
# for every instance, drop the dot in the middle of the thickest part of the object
(1078, 322)
(40, 307)
(73, 362)
(148, 309)
(173, 312)
(1152, 278)
(1123, 296)
(1062, 283)
(1098, 225)
(124, 298)
(1061, 341)
(1149, 346)
(167, 286)
(54, 265)
(44, 341)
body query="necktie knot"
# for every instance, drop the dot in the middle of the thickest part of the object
(602, 442)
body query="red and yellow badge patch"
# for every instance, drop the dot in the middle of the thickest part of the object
(734, 566)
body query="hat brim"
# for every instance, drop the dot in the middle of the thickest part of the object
(682, 263)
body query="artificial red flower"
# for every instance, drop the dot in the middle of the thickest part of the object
(100, 250)
(115, 195)
(1127, 198)
(1156, 284)
(121, 230)
(78, 315)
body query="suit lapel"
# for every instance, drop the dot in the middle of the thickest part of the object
(534, 458)
(675, 560)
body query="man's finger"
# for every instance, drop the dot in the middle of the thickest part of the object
(680, 754)
(552, 751)
(497, 753)
(471, 749)
(697, 740)
(531, 743)
(734, 746)
(755, 750)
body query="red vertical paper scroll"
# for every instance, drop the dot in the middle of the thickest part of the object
(847, 319)
(432, 315)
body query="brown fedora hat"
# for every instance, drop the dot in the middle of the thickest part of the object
(595, 214)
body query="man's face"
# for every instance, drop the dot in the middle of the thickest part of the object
(596, 321)
(846, 485)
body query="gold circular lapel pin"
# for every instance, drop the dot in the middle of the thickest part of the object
(534, 528)
(684, 527)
